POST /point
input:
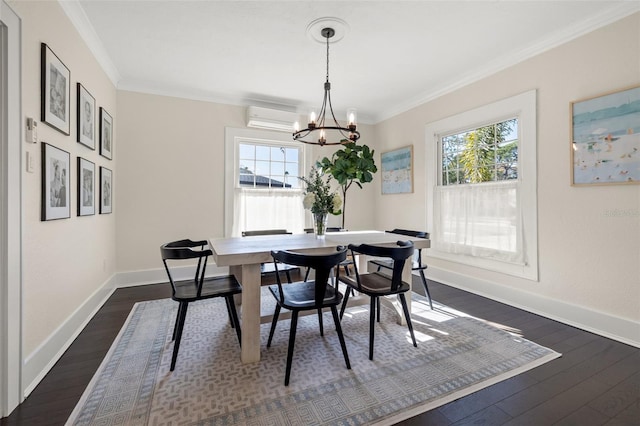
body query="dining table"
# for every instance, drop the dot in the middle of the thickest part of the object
(244, 255)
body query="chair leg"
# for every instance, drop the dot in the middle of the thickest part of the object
(176, 345)
(378, 309)
(229, 312)
(292, 340)
(306, 275)
(336, 320)
(407, 316)
(426, 288)
(273, 325)
(175, 326)
(235, 323)
(372, 325)
(320, 321)
(347, 292)
(288, 276)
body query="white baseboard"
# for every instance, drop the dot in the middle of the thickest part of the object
(38, 363)
(604, 324)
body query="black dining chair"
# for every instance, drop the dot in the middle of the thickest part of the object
(307, 295)
(197, 288)
(268, 268)
(376, 284)
(416, 264)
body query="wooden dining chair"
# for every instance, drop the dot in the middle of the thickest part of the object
(416, 264)
(268, 268)
(376, 284)
(307, 295)
(197, 288)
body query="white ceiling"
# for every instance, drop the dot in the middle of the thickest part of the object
(395, 55)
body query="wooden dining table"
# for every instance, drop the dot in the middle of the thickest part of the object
(244, 255)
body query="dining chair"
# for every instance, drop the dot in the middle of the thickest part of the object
(268, 268)
(416, 264)
(377, 284)
(307, 295)
(197, 288)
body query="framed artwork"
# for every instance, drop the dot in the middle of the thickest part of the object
(86, 187)
(106, 192)
(397, 170)
(106, 134)
(86, 112)
(55, 183)
(605, 139)
(55, 96)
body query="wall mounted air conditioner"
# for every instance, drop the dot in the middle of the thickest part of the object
(271, 119)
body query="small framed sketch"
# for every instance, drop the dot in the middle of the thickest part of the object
(86, 187)
(106, 192)
(397, 170)
(605, 139)
(55, 82)
(86, 109)
(55, 183)
(106, 134)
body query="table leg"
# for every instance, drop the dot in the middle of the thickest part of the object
(249, 277)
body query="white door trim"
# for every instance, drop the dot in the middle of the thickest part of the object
(10, 213)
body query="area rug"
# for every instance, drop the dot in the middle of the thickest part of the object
(456, 355)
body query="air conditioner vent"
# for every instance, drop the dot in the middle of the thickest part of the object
(271, 119)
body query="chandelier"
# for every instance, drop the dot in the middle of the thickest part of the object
(319, 131)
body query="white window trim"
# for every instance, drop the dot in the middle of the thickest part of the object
(233, 136)
(522, 106)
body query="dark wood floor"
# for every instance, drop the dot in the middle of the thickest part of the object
(595, 382)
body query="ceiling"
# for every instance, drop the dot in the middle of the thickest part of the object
(394, 54)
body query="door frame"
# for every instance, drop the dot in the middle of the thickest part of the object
(10, 212)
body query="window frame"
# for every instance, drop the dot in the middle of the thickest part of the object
(522, 106)
(235, 136)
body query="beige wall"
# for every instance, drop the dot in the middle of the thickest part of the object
(65, 261)
(587, 257)
(171, 175)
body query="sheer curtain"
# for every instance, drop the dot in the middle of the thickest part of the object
(480, 220)
(267, 209)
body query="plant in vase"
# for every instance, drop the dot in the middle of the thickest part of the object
(351, 164)
(320, 199)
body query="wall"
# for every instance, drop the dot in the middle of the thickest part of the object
(67, 263)
(171, 178)
(588, 256)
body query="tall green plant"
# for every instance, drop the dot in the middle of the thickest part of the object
(351, 164)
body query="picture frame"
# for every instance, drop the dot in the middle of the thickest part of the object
(397, 171)
(86, 187)
(55, 85)
(86, 114)
(106, 191)
(106, 134)
(55, 183)
(605, 139)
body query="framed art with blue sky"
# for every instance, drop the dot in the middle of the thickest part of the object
(397, 171)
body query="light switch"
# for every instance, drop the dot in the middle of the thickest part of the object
(29, 162)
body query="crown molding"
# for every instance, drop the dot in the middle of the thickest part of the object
(80, 21)
(586, 26)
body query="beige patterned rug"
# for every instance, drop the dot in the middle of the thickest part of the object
(456, 355)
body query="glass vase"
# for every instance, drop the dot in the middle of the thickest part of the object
(320, 221)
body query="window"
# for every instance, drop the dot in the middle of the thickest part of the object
(262, 189)
(268, 166)
(481, 195)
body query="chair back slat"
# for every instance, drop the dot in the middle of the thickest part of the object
(321, 263)
(265, 232)
(398, 254)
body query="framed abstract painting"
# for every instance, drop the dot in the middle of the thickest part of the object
(605, 139)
